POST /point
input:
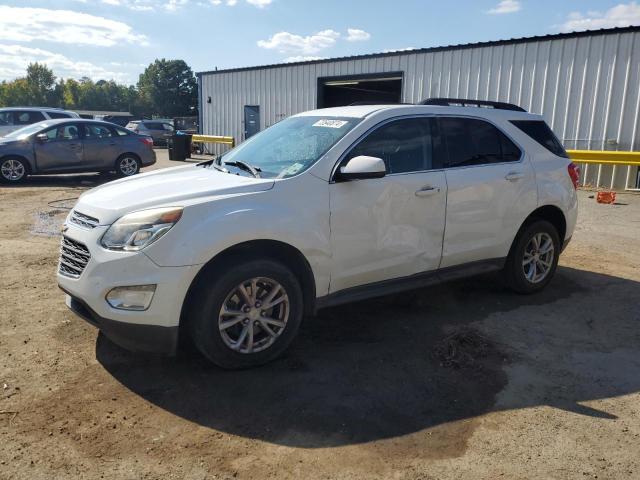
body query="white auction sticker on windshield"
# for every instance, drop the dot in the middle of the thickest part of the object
(330, 123)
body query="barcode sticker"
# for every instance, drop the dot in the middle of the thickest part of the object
(330, 123)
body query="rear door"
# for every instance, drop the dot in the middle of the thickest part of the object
(61, 151)
(389, 227)
(101, 146)
(491, 190)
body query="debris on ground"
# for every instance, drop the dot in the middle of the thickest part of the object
(463, 348)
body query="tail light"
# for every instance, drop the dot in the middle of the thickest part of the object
(574, 173)
(148, 141)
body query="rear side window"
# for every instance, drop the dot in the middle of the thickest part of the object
(121, 132)
(404, 145)
(541, 133)
(153, 126)
(471, 142)
(58, 115)
(97, 131)
(27, 117)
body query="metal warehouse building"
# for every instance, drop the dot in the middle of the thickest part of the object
(585, 84)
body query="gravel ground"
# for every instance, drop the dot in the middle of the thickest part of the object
(464, 380)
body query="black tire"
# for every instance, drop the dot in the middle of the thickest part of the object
(212, 291)
(514, 271)
(14, 170)
(127, 165)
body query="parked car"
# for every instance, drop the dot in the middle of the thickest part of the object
(14, 118)
(159, 131)
(325, 207)
(64, 146)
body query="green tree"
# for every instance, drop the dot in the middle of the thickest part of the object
(40, 84)
(168, 88)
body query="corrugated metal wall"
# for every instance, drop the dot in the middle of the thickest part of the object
(587, 88)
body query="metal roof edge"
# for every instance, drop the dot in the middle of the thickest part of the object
(491, 43)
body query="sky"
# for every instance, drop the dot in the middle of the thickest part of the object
(117, 39)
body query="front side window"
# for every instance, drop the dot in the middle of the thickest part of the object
(471, 142)
(5, 119)
(27, 117)
(289, 147)
(404, 145)
(63, 133)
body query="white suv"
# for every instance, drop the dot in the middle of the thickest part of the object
(13, 118)
(326, 207)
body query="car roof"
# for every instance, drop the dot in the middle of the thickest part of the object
(36, 109)
(362, 111)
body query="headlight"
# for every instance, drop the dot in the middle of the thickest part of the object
(139, 229)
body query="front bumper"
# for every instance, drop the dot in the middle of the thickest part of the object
(131, 336)
(151, 330)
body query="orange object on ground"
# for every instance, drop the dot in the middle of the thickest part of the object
(606, 197)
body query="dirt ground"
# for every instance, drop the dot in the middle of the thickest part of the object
(544, 386)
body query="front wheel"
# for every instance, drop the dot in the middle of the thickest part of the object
(246, 315)
(127, 165)
(13, 170)
(533, 258)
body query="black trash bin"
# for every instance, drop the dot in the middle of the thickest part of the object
(180, 147)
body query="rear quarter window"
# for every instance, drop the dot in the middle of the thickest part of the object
(541, 133)
(58, 115)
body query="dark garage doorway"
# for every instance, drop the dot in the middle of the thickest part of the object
(366, 89)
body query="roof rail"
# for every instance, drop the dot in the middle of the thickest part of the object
(464, 102)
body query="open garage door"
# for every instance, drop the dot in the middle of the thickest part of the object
(365, 89)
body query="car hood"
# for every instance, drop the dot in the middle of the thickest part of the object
(177, 186)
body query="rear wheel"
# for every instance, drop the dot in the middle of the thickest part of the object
(127, 165)
(13, 170)
(246, 315)
(533, 258)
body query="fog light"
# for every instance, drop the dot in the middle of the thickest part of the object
(131, 298)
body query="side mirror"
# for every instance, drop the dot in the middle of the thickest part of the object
(362, 167)
(42, 137)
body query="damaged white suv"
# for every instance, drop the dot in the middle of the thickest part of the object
(326, 207)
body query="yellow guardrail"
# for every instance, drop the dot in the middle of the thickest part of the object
(214, 139)
(603, 157)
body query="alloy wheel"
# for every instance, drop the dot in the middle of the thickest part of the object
(12, 170)
(538, 257)
(253, 315)
(128, 166)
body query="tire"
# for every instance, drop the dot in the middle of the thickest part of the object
(530, 278)
(222, 288)
(127, 165)
(13, 170)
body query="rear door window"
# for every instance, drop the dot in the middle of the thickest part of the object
(470, 142)
(97, 131)
(541, 133)
(58, 115)
(27, 117)
(153, 125)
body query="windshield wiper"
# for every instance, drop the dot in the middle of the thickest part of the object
(255, 171)
(211, 163)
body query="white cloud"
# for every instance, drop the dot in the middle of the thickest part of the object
(259, 3)
(622, 15)
(506, 6)
(356, 35)
(391, 50)
(302, 58)
(14, 60)
(285, 42)
(19, 24)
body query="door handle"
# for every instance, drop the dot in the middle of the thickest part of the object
(427, 190)
(514, 176)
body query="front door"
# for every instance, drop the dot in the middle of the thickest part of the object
(251, 120)
(62, 150)
(389, 227)
(491, 190)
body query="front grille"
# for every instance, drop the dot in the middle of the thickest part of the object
(83, 220)
(74, 257)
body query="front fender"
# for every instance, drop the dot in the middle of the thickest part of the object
(295, 212)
